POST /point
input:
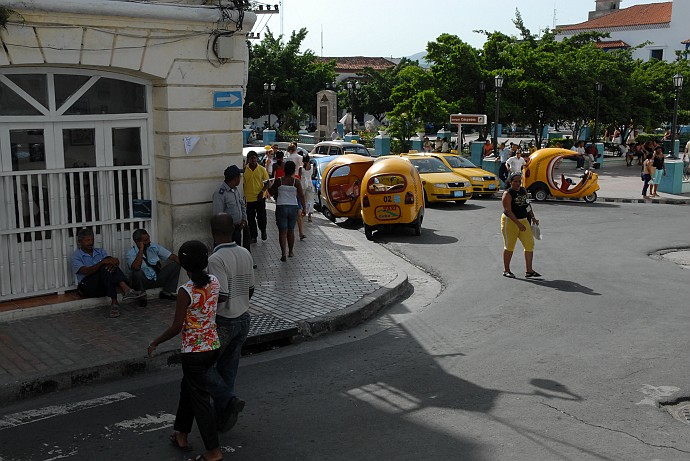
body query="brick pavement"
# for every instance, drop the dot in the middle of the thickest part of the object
(333, 269)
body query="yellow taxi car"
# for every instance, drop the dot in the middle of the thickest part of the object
(484, 183)
(440, 183)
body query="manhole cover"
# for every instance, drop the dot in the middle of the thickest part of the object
(681, 412)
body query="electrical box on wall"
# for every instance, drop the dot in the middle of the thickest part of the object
(225, 47)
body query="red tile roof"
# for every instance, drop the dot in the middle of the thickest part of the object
(637, 15)
(353, 64)
(612, 44)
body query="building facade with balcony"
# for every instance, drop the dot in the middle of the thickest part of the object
(114, 115)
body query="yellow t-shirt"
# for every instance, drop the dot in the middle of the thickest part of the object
(253, 182)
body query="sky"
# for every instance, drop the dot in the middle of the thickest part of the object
(398, 28)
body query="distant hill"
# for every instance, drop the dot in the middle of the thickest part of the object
(421, 57)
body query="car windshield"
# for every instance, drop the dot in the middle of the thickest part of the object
(430, 165)
(455, 161)
(360, 150)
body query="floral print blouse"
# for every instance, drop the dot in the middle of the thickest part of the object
(199, 329)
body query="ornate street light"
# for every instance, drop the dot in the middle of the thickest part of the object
(498, 80)
(351, 88)
(269, 88)
(599, 87)
(677, 85)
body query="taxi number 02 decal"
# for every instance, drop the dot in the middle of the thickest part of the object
(387, 199)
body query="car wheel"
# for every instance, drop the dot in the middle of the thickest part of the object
(418, 227)
(461, 202)
(426, 200)
(369, 232)
(591, 198)
(327, 213)
(539, 194)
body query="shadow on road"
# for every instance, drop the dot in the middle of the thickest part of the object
(563, 285)
(406, 235)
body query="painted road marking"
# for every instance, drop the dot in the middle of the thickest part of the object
(32, 416)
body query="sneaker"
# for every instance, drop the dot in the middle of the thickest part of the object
(133, 294)
(228, 419)
(167, 295)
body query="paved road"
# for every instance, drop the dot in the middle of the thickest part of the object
(568, 368)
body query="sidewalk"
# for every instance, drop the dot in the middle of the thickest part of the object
(336, 280)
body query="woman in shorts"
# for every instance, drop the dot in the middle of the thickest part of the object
(287, 190)
(515, 225)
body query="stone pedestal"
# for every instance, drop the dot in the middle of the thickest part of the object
(351, 137)
(672, 183)
(326, 113)
(676, 147)
(245, 136)
(476, 152)
(269, 137)
(443, 134)
(491, 164)
(417, 144)
(382, 145)
(341, 130)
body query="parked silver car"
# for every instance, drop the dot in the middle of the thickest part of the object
(340, 148)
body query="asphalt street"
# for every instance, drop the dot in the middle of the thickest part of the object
(472, 366)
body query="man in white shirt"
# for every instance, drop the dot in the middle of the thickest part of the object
(516, 163)
(579, 157)
(233, 267)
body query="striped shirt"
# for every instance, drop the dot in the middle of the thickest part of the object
(234, 268)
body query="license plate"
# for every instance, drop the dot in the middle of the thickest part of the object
(492, 186)
(458, 193)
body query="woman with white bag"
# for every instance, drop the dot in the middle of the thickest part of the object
(516, 225)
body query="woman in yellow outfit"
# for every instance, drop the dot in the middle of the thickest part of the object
(515, 225)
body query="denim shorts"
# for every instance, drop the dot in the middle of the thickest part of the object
(656, 179)
(286, 216)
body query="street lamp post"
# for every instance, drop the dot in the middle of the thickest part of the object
(599, 87)
(351, 88)
(677, 85)
(499, 84)
(482, 93)
(269, 88)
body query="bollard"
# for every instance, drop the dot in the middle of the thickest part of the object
(382, 144)
(269, 137)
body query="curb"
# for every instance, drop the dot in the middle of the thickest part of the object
(133, 366)
(359, 311)
(665, 201)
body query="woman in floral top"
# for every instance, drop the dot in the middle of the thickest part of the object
(195, 317)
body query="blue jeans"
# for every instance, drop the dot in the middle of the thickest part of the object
(221, 378)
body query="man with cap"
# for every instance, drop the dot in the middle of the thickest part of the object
(229, 199)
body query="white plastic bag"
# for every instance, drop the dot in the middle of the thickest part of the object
(536, 231)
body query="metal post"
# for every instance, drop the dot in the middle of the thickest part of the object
(482, 93)
(269, 88)
(498, 80)
(677, 85)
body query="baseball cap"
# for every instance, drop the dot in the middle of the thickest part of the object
(232, 172)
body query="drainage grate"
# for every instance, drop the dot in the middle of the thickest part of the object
(266, 327)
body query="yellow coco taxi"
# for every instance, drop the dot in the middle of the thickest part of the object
(392, 196)
(440, 183)
(484, 183)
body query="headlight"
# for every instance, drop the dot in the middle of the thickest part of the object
(441, 186)
(476, 178)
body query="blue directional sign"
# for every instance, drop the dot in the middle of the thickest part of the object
(225, 99)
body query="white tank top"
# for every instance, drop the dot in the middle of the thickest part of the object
(287, 195)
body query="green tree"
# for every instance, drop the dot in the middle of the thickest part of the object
(374, 96)
(297, 76)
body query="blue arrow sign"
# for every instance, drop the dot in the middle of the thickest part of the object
(224, 99)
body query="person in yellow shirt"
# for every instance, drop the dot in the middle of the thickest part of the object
(255, 184)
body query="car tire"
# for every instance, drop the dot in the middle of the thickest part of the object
(369, 232)
(539, 194)
(461, 202)
(426, 200)
(418, 227)
(591, 198)
(327, 213)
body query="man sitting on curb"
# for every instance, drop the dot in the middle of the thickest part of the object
(99, 274)
(145, 260)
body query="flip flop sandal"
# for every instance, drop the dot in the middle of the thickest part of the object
(532, 274)
(114, 312)
(176, 444)
(508, 274)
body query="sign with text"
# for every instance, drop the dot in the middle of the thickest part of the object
(468, 119)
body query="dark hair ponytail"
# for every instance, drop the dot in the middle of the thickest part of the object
(194, 259)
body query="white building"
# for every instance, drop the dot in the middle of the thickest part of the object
(114, 115)
(664, 25)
